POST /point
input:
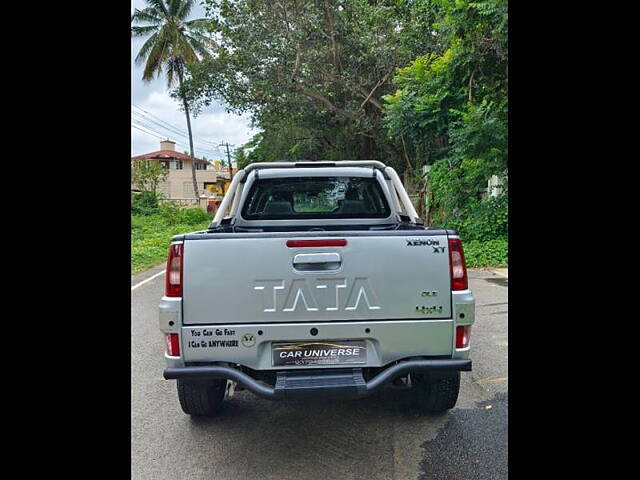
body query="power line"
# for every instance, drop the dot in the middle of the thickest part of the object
(208, 152)
(147, 125)
(148, 119)
(153, 133)
(169, 126)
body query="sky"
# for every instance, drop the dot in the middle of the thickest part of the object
(154, 108)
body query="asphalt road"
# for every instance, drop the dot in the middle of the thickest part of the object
(380, 437)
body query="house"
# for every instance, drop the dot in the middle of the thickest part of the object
(212, 180)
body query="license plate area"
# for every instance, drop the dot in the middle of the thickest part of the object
(334, 352)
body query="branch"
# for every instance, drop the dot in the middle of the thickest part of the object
(296, 67)
(406, 156)
(373, 101)
(356, 88)
(327, 102)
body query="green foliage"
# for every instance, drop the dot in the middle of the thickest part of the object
(173, 214)
(451, 106)
(173, 41)
(490, 253)
(148, 175)
(457, 182)
(151, 234)
(409, 83)
(312, 74)
(145, 203)
(482, 220)
(241, 158)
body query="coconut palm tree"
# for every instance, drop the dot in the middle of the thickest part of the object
(174, 43)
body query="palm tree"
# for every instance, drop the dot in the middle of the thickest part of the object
(173, 44)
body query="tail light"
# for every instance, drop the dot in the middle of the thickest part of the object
(173, 285)
(458, 268)
(462, 336)
(173, 345)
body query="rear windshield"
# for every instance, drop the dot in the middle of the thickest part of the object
(315, 197)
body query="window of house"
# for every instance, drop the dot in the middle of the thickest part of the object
(187, 189)
(178, 164)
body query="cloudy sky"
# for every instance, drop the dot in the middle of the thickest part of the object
(156, 112)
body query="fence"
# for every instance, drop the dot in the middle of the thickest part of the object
(183, 202)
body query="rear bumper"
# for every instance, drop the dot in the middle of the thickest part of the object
(329, 382)
(387, 341)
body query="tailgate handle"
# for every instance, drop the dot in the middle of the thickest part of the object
(317, 261)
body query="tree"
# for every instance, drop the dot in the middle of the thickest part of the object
(311, 73)
(451, 107)
(174, 43)
(147, 175)
(240, 157)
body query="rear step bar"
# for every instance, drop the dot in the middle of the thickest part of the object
(330, 382)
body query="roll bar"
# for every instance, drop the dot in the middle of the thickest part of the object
(228, 197)
(388, 171)
(309, 164)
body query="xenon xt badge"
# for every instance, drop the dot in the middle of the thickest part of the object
(422, 243)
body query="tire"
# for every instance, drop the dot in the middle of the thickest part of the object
(201, 397)
(438, 393)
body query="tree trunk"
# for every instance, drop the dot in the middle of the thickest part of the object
(193, 158)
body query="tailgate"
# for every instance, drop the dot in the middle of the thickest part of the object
(256, 278)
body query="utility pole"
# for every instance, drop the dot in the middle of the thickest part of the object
(226, 144)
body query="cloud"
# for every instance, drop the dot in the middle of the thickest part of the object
(160, 115)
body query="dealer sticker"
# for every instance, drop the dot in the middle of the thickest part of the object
(336, 352)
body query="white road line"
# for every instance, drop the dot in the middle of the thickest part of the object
(147, 280)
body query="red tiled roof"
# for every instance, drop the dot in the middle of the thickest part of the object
(165, 155)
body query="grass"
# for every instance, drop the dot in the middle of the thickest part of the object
(151, 234)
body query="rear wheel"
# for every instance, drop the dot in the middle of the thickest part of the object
(201, 397)
(436, 393)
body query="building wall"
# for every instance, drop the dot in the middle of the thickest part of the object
(180, 185)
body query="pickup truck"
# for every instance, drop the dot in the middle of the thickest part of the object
(316, 279)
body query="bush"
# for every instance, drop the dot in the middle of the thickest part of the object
(145, 203)
(491, 253)
(173, 214)
(170, 213)
(483, 220)
(194, 215)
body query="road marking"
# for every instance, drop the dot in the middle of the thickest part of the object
(492, 380)
(147, 280)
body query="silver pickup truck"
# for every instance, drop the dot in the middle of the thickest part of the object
(316, 279)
